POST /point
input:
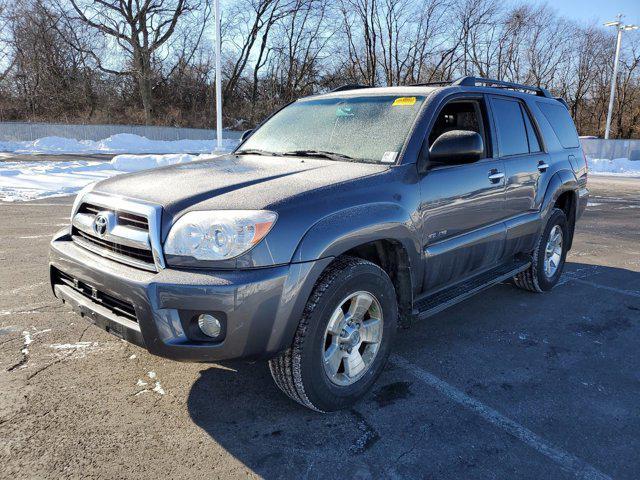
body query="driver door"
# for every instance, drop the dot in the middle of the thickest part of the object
(462, 205)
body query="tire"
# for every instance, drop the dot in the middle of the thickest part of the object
(300, 370)
(536, 278)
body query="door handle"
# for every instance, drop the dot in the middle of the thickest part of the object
(542, 166)
(495, 176)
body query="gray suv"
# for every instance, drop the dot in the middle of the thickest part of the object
(341, 218)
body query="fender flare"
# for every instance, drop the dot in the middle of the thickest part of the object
(562, 181)
(341, 231)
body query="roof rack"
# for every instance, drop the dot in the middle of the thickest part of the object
(470, 82)
(432, 84)
(489, 82)
(349, 86)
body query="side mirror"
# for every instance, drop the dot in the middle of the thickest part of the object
(246, 135)
(457, 146)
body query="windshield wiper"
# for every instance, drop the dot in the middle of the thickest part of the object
(255, 151)
(319, 154)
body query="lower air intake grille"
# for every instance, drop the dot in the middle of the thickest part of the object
(115, 305)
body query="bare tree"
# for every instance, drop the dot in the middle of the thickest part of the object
(7, 60)
(140, 60)
(252, 19)
(139, 29)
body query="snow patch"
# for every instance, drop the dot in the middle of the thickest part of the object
(33, 180)
(27, 341)
(156, 388)
(120, 143)
(617, 166)
(73, 346)
(75, 350)
(21, 181)
(135, 163)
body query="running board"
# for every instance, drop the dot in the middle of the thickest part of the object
(432, 304)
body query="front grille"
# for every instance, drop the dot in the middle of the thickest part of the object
(136, 253)
(131, 220)
(126, 239)
(124, 218)
(111, 303)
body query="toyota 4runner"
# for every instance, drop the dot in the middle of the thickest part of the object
(342, 217)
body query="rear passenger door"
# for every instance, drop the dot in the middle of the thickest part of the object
(525, 162)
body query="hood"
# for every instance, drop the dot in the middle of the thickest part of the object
(233, 182)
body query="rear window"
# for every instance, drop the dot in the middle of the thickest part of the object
(562, 124)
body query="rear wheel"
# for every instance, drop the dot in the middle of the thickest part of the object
(344, 337)
(548, 257)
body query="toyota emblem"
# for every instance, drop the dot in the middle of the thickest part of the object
(101, 224)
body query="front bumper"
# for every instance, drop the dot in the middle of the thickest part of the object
(260, 307)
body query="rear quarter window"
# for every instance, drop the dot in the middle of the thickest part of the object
(561, 123)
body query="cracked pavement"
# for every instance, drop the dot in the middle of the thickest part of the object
(565, 366)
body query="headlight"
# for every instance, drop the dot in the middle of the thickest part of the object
(218, 235)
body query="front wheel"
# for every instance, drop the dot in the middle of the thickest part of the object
(344, 337)
(548, 257)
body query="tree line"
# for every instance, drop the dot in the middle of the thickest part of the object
(151, 61)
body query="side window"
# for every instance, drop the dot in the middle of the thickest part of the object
(459, 115)
(561, 122)
(534, 144)
(512, 134)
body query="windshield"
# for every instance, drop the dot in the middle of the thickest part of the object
(360, 129)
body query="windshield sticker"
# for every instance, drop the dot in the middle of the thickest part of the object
(404, 101)
(389, 157)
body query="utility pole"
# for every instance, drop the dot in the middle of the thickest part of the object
(620, 27)
(218, 77)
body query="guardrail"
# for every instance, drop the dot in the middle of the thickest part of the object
(26, 131)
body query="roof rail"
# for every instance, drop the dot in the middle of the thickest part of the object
(349, 86)
(432, 84)
(489, 82)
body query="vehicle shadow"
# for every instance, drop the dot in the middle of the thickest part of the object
(240, 408)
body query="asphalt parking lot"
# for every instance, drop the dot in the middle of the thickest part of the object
(506, 385)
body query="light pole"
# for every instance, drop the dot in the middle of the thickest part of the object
(218, 78)
(621, 28)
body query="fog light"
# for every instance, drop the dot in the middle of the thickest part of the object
(209, 325)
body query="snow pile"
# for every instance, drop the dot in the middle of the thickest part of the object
(120, 143)
(21, 181)
(134, 163)
(33, 180)
(617, 166)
